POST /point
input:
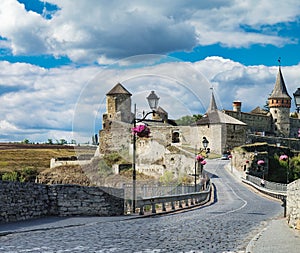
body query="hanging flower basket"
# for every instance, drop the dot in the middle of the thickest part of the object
(260, 162)
(141, 130)
(283, 157)
(199, 158)
(203, 162)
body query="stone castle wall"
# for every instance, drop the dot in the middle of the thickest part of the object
(22, 201)
(115, 137)
(255, 122)
(293, 204)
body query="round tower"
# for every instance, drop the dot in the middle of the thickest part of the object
(280, 104)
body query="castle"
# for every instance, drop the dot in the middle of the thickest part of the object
(278, 121)
(224, 129)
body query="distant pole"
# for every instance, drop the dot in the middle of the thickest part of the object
(133, 164)
(195, 175)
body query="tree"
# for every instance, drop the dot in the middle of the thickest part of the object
(295, 168)
(26, 141)
(188, 120)
(62, 141)
(266, 106)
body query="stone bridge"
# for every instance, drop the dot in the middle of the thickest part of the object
(235, 215)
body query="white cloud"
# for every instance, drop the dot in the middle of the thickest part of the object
(44, 104)
(91, 31)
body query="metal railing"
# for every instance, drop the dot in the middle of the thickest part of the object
(145, 192)
(183, 201)
(272, 189)
(268, 184)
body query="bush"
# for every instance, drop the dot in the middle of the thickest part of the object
(104, 169)
(25, 175)
(10, 176)
(28, 175)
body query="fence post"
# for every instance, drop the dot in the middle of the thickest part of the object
(180, 204)
(172, 204)
(141, 210)
(153, 207)
(187, 202)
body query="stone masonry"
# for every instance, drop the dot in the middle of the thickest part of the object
(293, 204)
(22, 201)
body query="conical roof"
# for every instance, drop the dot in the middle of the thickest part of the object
(212, 104)
(118, 89)
(279, 91)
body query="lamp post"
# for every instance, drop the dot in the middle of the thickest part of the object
(195, 175)
(200, 160)
(297, 99)
(205, 144)
(153, 102)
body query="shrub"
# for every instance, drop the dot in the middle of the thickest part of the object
(10, 176)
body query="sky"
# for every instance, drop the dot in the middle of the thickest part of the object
(59, 58)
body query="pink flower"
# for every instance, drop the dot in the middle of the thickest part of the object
(199, 158)
(141, 130)
(203, 162)
(283, 157)
(260, 162)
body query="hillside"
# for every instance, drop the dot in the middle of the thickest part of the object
(35, 157)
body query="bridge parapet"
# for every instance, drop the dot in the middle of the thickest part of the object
(268, 184)
(183, 200)
(272, 189)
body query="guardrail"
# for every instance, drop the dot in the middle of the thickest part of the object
(186, 199)
(272, 189)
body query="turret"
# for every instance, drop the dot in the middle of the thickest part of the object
(118, 104)
(280, 104)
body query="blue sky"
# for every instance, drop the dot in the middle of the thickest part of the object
(51, 51)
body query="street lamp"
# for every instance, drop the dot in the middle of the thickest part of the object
(297, 99)
(153, 102)
(205, 142)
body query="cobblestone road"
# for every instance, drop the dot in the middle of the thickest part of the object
(225, 226)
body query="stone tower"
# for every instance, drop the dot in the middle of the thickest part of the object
(280, 104)
(118, 104)
(115, 134)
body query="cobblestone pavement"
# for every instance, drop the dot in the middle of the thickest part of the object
(228, 225)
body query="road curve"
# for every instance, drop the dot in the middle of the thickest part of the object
(225, 226)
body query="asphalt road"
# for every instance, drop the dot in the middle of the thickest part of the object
(225, 226)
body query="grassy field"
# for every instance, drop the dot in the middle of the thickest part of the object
(16, 157)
